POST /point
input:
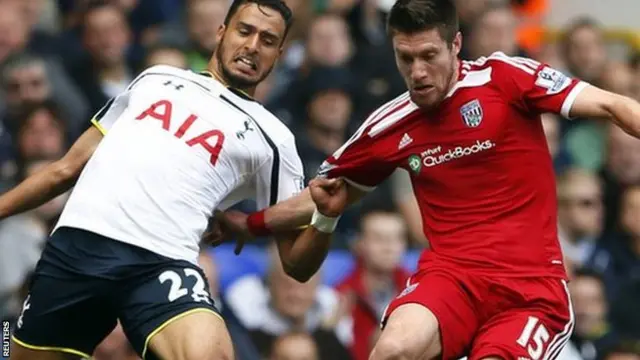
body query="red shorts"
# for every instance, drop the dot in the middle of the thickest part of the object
(510, 318)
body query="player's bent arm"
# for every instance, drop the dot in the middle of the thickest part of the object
(303, 252)
(53, 180)
(597, 103)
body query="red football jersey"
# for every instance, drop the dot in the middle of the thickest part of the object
(479, 165)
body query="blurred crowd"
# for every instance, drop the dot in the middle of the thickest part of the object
(61, 60)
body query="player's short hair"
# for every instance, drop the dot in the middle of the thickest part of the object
(278, 5)
(412, 16)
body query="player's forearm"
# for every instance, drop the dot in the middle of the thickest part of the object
(626, 113)
(36, 190)
(303, 255)
(290, 214)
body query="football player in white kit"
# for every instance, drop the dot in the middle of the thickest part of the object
(147, 177)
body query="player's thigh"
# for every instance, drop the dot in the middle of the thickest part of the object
(18, 352)
(537, 332)
(410, 332)
(169, 306)
(199, 335)
(432, 317)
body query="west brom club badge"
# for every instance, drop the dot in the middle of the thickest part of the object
(472, 113)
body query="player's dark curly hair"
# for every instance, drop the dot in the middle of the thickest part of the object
(278, 5)
(412, 16)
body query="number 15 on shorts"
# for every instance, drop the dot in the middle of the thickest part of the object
(534, 337)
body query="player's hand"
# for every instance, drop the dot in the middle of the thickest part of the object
(232, 224)
(330, 196)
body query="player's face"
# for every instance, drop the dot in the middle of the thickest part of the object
(250, 45)
(427, 64)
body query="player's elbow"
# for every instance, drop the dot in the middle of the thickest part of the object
(65, 172)
(626, 113)
(298, 273)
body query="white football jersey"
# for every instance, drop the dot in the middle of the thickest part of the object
(178, 145)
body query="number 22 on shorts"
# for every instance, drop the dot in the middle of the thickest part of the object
(176, 291)
(534, 336)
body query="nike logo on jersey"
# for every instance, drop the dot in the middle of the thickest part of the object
(406, 140)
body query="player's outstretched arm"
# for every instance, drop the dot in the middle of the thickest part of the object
(597, 103)
(296, 212)
(53, 180)
(302, 254)
(284, 219)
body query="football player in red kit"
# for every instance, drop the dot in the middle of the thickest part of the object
(492, 285)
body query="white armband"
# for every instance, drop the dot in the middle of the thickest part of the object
(324, 223)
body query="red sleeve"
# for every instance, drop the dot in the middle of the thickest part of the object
(363, 161)
(533, 86)
(358, 162)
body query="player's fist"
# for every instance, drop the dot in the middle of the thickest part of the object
(330, 196)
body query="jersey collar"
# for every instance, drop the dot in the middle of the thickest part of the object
(238, 92)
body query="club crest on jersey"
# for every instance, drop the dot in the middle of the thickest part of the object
(472, 113)
(415, 163)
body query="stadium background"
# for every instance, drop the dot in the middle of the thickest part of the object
(62, 59)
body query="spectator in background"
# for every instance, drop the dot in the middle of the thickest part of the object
(106, 38)
(624, 350)
(204, 18)
(21, 240)
(328, 44)
(618, 256)
(621, 169)
(468, 11)
(583, 48)
(592, 334)
(14, 32)
(493, 30)
(378, 276)
(41, 132)
(625, 316)
(580, 214)
(328, 105)
(586, 140)
(559, 155)
(294, 346)
(279, 304)
(27, 79)
(530, 22)
(165, 55)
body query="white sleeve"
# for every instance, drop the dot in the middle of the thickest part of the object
(116, 106)
(281, 177)
(110, 112)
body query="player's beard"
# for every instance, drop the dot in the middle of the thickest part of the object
(234, 81)
(440, 91)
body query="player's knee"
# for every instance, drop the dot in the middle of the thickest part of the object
(390, 349)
